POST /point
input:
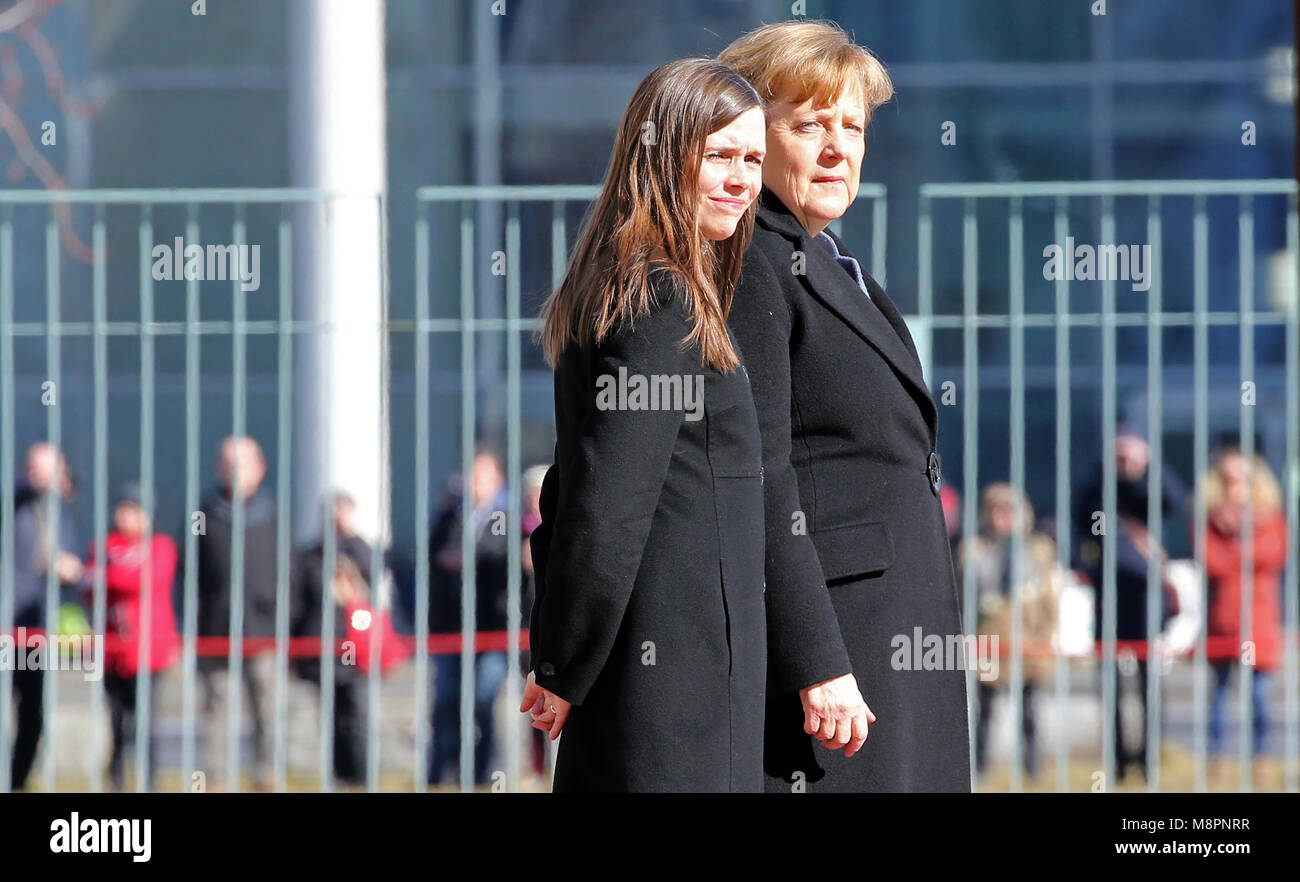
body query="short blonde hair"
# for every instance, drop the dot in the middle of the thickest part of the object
(813, 59)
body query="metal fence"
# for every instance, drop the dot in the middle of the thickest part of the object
(951, 321)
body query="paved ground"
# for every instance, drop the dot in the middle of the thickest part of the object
(74, 755)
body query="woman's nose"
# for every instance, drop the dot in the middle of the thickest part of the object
(834, 148)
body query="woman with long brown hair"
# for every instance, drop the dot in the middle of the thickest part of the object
(648, 637)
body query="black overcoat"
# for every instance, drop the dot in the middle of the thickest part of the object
(649, 614)
(848, 427)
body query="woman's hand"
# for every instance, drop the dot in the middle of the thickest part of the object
(549, 711)
(836, 713)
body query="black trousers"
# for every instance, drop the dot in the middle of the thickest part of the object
(121, 713)
(1124, 757)
(351, 696)
(1028, 723)
(28, 689)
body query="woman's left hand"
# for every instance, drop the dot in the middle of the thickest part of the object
(549, 711)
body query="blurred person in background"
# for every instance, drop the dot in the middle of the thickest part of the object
(489, 502)
(38, 545)
(1039, 589)
(1135, 546)
(857, 549)
(240, 456)
(349, 584)
(1234, 487)
(128, 563)
(951, 501)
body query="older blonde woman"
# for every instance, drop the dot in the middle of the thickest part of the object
(855, 533)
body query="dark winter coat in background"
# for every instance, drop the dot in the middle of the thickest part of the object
(261, 566)
(307, 597)
(491, 570)
(30, 553)
(1130, 563)
(848, 429)
(649, 614)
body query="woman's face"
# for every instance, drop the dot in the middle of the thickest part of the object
(1233, 471)
(814, 157)
(731, 173)
(130, 519)
(1002, 519)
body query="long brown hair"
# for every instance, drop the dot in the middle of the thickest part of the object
(646, 216)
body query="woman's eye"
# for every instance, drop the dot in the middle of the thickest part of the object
(714, 155)
(755, 160)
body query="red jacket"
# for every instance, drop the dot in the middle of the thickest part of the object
(1223, 572)
(124, 580)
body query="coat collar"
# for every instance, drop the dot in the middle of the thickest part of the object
(881, 325)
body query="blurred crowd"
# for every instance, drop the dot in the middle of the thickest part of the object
(1242, 509)
(142, 574)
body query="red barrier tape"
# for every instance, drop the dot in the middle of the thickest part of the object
(1217, 648)
(310, 647)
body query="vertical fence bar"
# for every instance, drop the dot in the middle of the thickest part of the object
(1110, 744)
(468, 387)
(420, 762)
(559, 263)
(53, 537)
(925, 286)
(144, 668)
(378, 600)
(7, 456)
(514, 470)
(879, 229)
(1291, 591)
(1200, 457)
(1064, 517)
(283, 502)
(1020, 530)
(1247, 671)
(190, 626)
(99, 601)
(1155, 495)
(239, 419)
(329, 534)
(970, 445)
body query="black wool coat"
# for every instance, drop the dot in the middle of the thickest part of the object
(261, 567)
(307, 591)
(848, 426)
(649, 614)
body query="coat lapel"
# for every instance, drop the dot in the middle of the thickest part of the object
(878, 322)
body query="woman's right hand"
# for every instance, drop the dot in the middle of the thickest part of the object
(835, 712)
(549, 711)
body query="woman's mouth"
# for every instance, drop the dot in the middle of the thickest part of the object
(730, 203)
